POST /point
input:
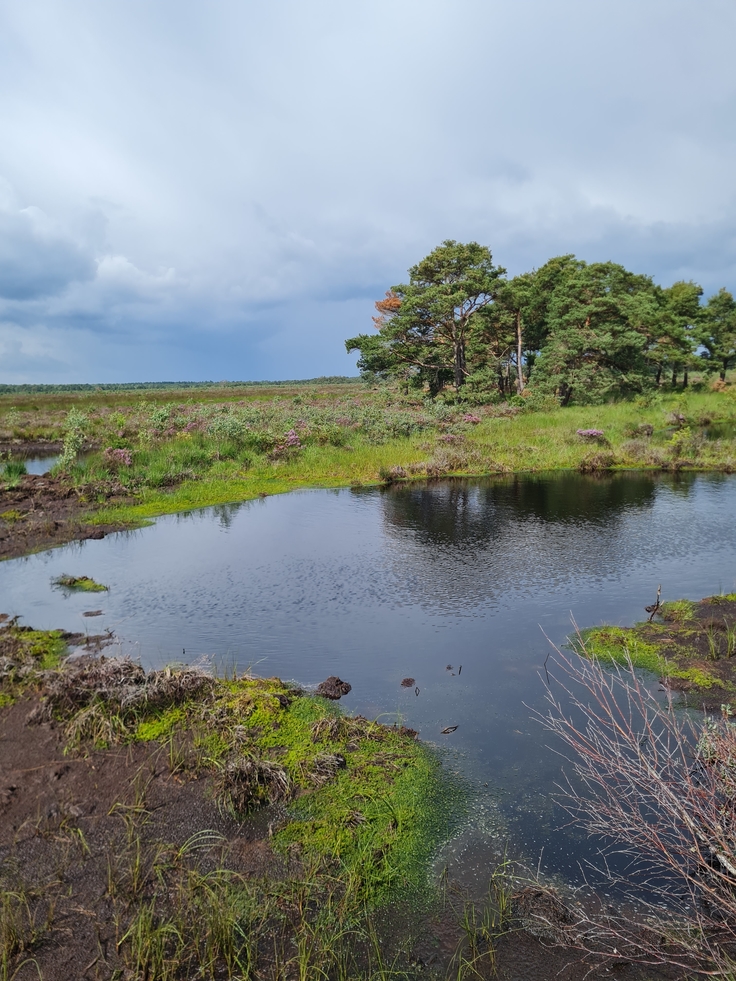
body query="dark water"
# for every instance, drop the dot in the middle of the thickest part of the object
(376, 585)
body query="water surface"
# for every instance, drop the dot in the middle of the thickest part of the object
(415, 581)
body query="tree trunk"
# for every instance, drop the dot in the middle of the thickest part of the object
(724, 369)
(684, 379)
(659, 373)
(674, 377)
(459, 364)
(566, 394)
(519, 349)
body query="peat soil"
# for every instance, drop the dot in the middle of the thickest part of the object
(41, 512)
(72, 826)
(700, 636)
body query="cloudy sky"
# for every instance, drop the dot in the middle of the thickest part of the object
(219, 190)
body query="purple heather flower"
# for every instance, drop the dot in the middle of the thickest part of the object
(118, 457)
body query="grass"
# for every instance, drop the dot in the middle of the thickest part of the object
(678, 611)
(11, 473)
(165, 451)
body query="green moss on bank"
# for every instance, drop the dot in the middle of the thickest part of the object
(690, 646)
(358, 801)
(24, 654)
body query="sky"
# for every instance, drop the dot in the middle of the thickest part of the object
(193, 191)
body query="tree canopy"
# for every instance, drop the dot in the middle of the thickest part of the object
(583, 332)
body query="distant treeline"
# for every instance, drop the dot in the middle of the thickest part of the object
(157, 386)
(572, 330)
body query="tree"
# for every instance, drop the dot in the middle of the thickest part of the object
(668, 318)
(424, 324)
(718, 332)
(596, 347)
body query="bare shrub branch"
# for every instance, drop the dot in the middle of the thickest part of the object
(659, 784)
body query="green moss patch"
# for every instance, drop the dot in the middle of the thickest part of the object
(24, 655)
(81, 583)
(690, 646)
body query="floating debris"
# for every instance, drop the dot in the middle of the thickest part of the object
(447, 730)
(92, 613)
(407, 683)
(448, 668)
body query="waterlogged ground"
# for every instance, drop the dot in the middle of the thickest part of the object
(451, 584)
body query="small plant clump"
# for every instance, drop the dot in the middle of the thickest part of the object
(591, 435)
(11, 472)
(83, 583)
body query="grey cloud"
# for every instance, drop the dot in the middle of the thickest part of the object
(247, 177)
(35, 259)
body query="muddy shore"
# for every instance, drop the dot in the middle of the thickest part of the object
(41, 512)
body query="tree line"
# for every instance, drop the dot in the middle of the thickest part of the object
(583, 332)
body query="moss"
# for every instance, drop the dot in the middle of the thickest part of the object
(696, 677)
(366, 804)
(48, 647)
(11, 516)
(161, 726)
(378, 822)
(83, 583)
(680, 649)
(619, 644)
(372, 819)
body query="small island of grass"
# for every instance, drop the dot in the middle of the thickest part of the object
(82, 583)
(691, 646)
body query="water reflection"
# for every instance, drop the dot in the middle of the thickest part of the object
(471, 511)
(376, 585)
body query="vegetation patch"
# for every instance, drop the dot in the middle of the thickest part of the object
(345, 813)
(690, 646)
(81, 583)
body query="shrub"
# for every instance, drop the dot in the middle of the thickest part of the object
(660, 786)
(597, 463)
(592, 435)
(115, 458)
